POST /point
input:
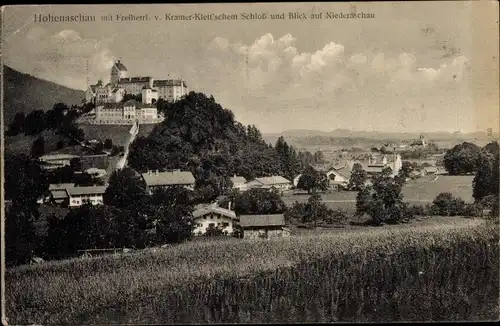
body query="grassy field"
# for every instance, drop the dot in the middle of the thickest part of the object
(419, 191)
(443, 271)
(118, 134)
(21, 144)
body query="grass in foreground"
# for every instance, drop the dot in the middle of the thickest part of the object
(433, 272)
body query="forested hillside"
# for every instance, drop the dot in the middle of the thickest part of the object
(25, 93)
(200, 135)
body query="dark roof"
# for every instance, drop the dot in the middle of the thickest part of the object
(146, 106)
(169, 82)
(59, 194)
(146, 87)
(375, 168)
(120, 66)
(168, 178)
(60, 186)
(111, 105)
(262, 220)
(273, 180)
(134, 80)
(92, 190)
(131, 103)
(343, 171)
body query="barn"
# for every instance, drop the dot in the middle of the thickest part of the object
(263, 226)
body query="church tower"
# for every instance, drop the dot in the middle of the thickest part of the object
(422, 140)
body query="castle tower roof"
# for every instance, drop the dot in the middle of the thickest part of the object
(120, 66)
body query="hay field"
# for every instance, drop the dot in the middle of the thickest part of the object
(434, 272)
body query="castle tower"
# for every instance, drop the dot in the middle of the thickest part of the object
(117, 71)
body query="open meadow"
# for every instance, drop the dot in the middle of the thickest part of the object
(441, 271)
(419, 191)
(119, 134)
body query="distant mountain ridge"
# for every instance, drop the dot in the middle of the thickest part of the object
(25, 93)
(379, 135)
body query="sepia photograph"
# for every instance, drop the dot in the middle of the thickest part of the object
(253, 163)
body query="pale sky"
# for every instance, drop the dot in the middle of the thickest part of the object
(413, 67)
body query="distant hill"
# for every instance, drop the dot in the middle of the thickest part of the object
(317, 137)
(25, 93)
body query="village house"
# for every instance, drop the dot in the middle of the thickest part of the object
(263, 226)
(214, 216)
(54, 161)
(155, 179)
(338, 177)
(96, 173)
(431, 170)
(239, 183)
(77, 196)
(58, 194)
(276, 182)
(376, 165)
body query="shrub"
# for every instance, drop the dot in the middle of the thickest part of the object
(445, 204)
(336, 216)
(108, 144)
(418, 210)
(60, 144)
(472, 210)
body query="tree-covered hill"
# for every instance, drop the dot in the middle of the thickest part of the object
(200, 135)
(25, 93)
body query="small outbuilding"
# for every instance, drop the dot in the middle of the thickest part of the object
(263, 226)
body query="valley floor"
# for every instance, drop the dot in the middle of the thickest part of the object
(418, 191)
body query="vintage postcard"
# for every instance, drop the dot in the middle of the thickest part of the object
(250, 163)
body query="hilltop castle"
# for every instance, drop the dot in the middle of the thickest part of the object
(108, 99)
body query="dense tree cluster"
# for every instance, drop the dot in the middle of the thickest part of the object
(313, 180)
(258, 201)
(130, 217)
(200, 136)
(313, 211)
(60, 118)
(462, 159)
(383, 201)
(358, 177)
(486, 179)
(407, 168)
